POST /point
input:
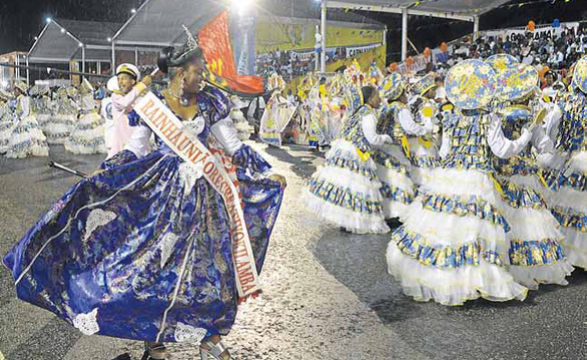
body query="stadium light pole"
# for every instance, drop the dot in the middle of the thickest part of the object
(404, 34)
(323, 31)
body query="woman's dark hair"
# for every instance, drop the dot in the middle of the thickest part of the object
(171, 57)
(368, 92)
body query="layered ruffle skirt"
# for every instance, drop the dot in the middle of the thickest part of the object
(535, 253)
(58, 128)
(397, 188)
(27, 139)
(450, 248)
(88, 136)
(346, 191)
(424, 159)
(568, 201)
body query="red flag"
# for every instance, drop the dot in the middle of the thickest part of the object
(215, 41)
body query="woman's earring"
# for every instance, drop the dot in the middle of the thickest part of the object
(182, 99)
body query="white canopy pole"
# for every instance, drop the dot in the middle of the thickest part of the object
(84, 58)
(28, 78)
(323, 30)
(113, 63)
(475, 27)
(404, 34)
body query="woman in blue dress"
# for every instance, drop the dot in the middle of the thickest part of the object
(142, 249)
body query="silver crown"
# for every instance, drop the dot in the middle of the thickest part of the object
(192, 41)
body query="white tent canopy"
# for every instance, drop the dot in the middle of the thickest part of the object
(465, 10)
(454, 9)
(64, 40)
(159, 22)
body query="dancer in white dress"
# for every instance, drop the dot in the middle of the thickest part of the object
(7, 121)
(346, 191)
(570, 196)
(88, 135)
(450, 247)
(62, 122)
(535, 253)
(393, 166)
(27, 138)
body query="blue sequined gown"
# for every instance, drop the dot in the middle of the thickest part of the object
(450, 247)
(143, 250)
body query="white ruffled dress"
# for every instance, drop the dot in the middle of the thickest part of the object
(62, 123)
(569, 196)
(535, 253)
(26, 139)
(450, 248)
(346, 191)
(7, 123)
(393, 167)
(88, 134)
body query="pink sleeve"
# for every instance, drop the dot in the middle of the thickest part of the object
(123, 102)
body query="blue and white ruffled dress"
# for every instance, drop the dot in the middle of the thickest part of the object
(346, 190)
(450, 248)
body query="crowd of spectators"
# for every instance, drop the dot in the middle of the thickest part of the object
(556, 48)
(291, 64)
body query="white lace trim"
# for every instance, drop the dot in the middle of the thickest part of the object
(166, 245)
(87, 323)
(96, 219)
(188, 333)
(189, 174)
(194, 127)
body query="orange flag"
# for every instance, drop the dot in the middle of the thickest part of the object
(215, 42)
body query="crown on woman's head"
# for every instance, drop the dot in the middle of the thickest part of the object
(192, 41)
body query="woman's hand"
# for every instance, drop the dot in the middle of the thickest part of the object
(280, 179)
(97, 172)
(147, 80)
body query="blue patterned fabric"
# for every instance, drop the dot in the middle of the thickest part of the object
(352, 130)
(443, 257)
(571, 136)
(469, 149)
(463, 206)
(345, 198)
(389, 123)
(535, 252)
(522, 164)
(121, 245)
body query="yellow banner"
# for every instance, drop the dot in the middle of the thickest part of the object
(272, 36)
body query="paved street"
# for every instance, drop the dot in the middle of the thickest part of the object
(327, 295)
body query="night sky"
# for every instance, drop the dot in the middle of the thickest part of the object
(22, 20)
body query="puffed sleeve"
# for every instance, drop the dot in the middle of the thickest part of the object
(369, 124)
(541, 141)
(123, 103)
(552, 121)
(218, 104)
(139, 141)
(447, 126)
(227, 134)
(407, 122)
(501, 146)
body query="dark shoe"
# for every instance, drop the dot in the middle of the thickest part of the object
(154, 351)
(345, 230)
(393, 223)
